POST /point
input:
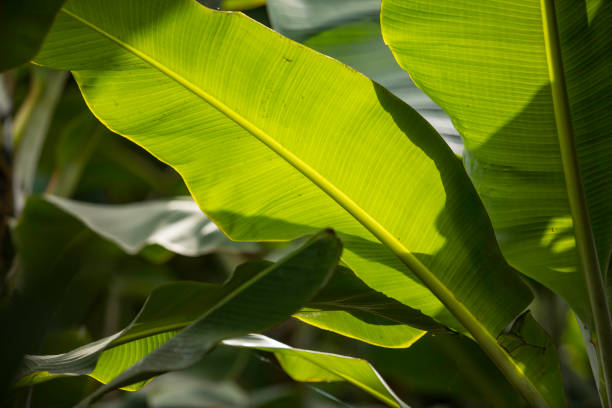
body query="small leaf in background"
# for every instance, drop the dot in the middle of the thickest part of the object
(30, 129)
(176, 224)
(313, 366)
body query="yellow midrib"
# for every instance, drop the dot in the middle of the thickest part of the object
(461, 312)
(334, 192)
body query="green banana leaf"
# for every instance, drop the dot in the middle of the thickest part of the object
(314, 366)
(485, 64)
(253, 300)
(275, 141)
(330, 28)
(242, 4)
(346, 306)
(23, 26)
(174, 306)
(360, 46)
(176, 224)
(349, 307)
(255, 160)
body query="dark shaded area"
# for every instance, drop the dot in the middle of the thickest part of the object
(23, 27)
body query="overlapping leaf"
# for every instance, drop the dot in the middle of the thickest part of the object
(349, 307)
(255, 299)
(346, 306)
(264, 167)
(349, 31)
(485, 64)
(275, 141)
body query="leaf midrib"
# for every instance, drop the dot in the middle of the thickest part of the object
(439, 289)
(319, 180)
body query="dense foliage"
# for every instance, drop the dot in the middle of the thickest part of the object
(430, 205)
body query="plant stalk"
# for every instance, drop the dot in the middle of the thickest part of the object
(585, 240)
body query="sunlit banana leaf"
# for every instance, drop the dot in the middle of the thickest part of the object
(330, 28)
(257, 179)
(349, 307)
(314, 366)
(485, 64)
(253, 300)
(276, 141)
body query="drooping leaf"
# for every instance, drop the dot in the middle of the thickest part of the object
(253, 300)
(177, 224)
(349, 307)
(23, 26)
(346, 305)
(271, 150)
(314, 366)
(371, 317)
(251, 154)
(485, 64)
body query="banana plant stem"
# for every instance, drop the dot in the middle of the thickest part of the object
(585, 241)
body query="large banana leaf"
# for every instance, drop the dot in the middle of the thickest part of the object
(485, 64)
(255, 299)
(275, 141)
(271, 157)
